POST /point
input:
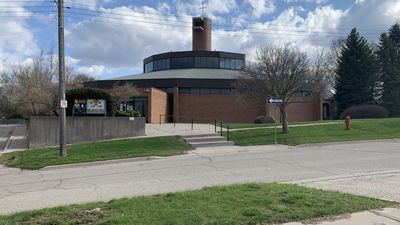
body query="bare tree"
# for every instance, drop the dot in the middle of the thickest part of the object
(32, 86)
(122, 93)
(278, 72)
(77, 80)
(324, 70)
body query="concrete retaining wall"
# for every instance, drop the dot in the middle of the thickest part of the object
(43, 131)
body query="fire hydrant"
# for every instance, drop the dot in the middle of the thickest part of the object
(348, 122)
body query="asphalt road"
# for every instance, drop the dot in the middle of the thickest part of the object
(370, 168)
(13, 137)
(5, 134)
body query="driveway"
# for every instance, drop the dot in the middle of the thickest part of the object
(13, 137)
(369, 168)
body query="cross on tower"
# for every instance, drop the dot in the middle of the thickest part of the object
(202, 8)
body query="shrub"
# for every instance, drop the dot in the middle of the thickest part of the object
(11, 113)
(264, 119)
(365, 112)
(132, 113)
(89, 93)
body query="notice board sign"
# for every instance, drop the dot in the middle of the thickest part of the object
(96, 106)
(89, 107)
(79, 107)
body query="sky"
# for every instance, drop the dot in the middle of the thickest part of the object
(110, 38)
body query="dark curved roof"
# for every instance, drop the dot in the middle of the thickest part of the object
(194, 73)
(219, 54)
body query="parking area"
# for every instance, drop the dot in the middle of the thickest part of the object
(13, 137)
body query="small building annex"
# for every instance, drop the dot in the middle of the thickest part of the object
(199, 84)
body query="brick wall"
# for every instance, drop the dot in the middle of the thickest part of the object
(207, 107)
(157, 105)
(303, 109)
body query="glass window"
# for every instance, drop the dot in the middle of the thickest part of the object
(148, 67)
(197, 62)
(238, 64)
(167, 63)
(206, 62)
(204, 90)
(194, 90)
(212, 62)
(184, 62)
(214, 91)
(156, 65)
(184, 90)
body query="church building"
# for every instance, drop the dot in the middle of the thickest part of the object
(200, 85)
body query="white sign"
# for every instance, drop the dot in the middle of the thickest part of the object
(96, 106)
(272, 100)
(63, 104)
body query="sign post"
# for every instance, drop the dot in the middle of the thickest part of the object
(276, 102)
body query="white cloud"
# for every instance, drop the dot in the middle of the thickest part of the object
(261, 7)
(124, 42)
(308, 33)
(102, 45)
(93, 70)
(214, 9)
(316, 1)
(371, 17)
(16, 40)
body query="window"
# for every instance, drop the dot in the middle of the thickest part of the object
(233, 64)
(181, 63)
(238, 64)
(207, 90)
(206, 62)
(148, 67)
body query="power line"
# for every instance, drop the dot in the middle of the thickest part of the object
(217, 25)
(128, 11)
(129, 15)
(297, 33)
(323, 40)
(123, 19)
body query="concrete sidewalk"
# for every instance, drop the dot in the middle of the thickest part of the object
(388, 216)
(179, 129)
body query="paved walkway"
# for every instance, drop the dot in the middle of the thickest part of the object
(169, 129)
(388, 216)
(13, 137)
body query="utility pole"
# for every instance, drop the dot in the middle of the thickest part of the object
(61, 70)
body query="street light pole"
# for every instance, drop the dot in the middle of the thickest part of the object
(61, 70)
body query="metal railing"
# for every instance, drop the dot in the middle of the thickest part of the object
(192, 120)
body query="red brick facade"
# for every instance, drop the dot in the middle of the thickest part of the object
(157, 105)
(225, 107)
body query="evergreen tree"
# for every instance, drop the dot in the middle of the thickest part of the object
(389, 71)
(356, 73)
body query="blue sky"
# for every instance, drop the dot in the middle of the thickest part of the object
(108, 38)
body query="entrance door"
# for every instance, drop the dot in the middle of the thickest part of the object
(139, 104)
(326, 113)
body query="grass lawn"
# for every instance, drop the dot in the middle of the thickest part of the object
(361, 130)
(223, 205)
(96, 151)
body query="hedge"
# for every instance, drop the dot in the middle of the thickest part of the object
(365, 112)
(89, 93)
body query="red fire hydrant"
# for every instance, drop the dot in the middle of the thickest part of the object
(348, 122)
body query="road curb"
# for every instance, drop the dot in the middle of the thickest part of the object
(100, 163)
(340, 177)
(349, 142)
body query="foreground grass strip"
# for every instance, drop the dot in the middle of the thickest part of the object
(361, 130)
(224, 205)
(97, 151)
